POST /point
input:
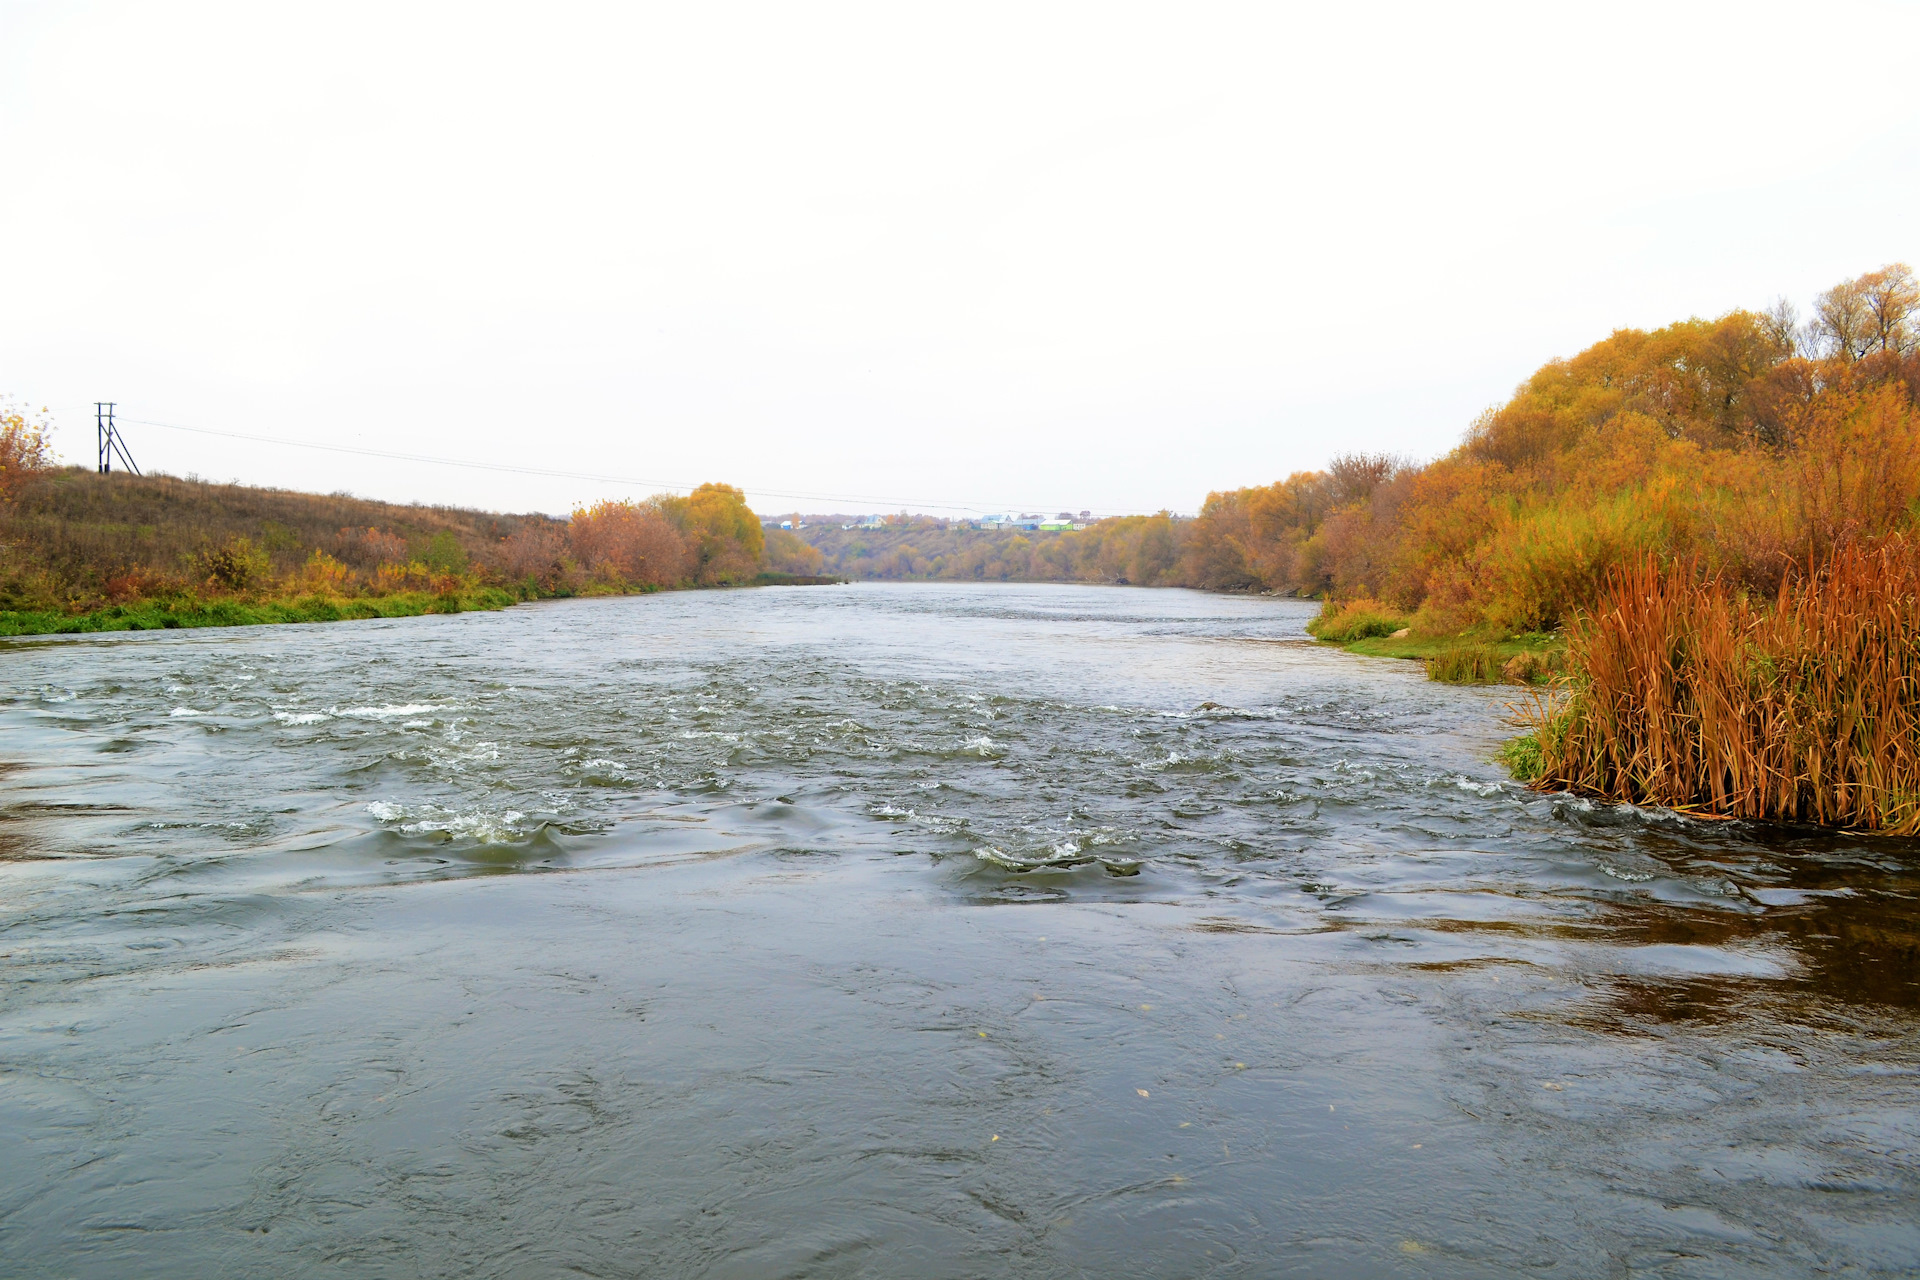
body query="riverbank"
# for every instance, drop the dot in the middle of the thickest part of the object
(85, 551)
(178, 614)
(169, 615)
(1475, 655)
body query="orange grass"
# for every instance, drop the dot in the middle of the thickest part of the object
(1689, 694)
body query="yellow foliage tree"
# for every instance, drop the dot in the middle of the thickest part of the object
(724, 535)
(24, 448)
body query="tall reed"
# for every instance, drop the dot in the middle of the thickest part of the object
(1689, 694)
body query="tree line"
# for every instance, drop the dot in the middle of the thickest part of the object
(1756, 443)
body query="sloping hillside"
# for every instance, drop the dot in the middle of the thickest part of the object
(74, 537)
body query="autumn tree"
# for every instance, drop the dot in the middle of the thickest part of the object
(535, 551)
(788, 552)
(1781, 324)
(1356, 475)
(722, 534)
(1891, 296)
(24, 448)
(635, 544)
(1873, 313)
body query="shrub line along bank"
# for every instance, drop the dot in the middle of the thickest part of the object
(191, 612)
(155, 615)
(81, 551)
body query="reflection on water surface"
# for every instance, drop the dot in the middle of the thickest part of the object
(952, 930)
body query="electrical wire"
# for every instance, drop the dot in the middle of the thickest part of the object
(570, 475)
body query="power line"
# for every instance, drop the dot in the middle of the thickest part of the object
(574, 475)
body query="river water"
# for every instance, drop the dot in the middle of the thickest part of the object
(904, 930)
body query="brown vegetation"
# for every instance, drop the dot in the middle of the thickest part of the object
(72, 541)
(1693, 694)
(24, 451)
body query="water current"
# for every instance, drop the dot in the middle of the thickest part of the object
(904, 930)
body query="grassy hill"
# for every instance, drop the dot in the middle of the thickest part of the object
(75, 540)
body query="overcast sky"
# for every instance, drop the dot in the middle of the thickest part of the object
(851, 258)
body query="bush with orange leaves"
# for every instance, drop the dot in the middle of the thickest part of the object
(25, 450)
(629, 544)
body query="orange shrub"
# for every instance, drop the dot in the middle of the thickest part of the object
(634, 544)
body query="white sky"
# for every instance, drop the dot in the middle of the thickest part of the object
(1043, 256)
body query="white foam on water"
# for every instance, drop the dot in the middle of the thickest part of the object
(472, 824)
(387, 712)
(178, 712)
(301, 717)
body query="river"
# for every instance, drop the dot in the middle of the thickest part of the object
(886, 930)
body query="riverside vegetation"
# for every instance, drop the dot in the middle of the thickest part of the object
(90, 552)
(1751, 443)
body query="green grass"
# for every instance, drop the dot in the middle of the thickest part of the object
(1355, 620)
(192, 611)
(774, 578)
(1523, 758)
(167, 615)
(1471, 657)
(1467, 664)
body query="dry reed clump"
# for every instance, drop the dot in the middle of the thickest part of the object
(1687, 694)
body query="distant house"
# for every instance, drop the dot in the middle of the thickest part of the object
(786, 524)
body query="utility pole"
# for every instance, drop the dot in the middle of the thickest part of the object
(110, 439)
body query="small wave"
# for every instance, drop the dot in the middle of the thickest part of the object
(1060, 857)
(983, 746)
(1032, 861)
(387, 712)
(601, 770)
(182, 712)
(1631, 875)
(477, 753)
(471, 824)
(301, 717)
